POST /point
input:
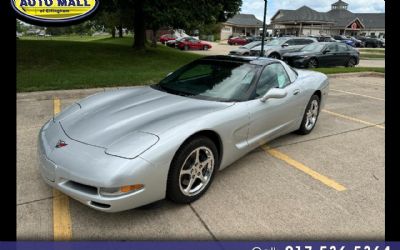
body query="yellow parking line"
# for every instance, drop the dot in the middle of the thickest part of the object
(325, 180)
(352, 93)
(353, 119)
(62, 229)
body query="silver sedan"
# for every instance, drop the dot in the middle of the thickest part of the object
(121, 149)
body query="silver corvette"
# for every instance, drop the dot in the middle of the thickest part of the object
(121, 149)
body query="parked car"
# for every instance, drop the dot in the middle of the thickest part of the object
(193, 43)
(238, 40)
(372, 42)
(174, 43)
(323, 54)
(345, 40)
(277, 47)
(167, 37)
(324, 39)
(245, 50)
(383, 42)
(121, 149)
(358, 43)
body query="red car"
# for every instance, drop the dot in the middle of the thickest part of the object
(238, 41)
(167, 37)
(192, 43)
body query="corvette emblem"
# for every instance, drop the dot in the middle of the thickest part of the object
(61, 144)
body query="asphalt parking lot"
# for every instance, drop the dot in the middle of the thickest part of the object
(329, 184)
(223, 49)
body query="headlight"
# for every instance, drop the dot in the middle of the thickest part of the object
(118, 191)
(132, 145)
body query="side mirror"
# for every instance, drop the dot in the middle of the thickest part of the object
(326, 51)
(274, 93)
(285, 45)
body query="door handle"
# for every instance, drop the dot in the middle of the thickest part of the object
(296, 91)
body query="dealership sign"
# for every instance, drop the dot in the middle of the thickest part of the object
(54, 11)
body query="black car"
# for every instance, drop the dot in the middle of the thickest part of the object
(323, 54)
(324, 39)
(372, 42)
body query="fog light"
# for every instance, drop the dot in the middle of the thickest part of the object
(120, 190)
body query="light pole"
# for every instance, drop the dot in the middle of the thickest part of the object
(263, 35)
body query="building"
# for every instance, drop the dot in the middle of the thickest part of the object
(338, 21)
(241, 24)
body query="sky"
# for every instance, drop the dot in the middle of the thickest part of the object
(256, 7)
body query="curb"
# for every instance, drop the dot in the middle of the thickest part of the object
(357, 74)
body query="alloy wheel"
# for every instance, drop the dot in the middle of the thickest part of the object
(196, 171)
(312, 115)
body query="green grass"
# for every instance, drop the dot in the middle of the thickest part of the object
(52, 65)
(74, 38)
(338, 70)
(372, 55)
(378, 51)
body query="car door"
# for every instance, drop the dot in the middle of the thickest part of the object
(274, 117)
(343, 55)
(331, 58)
(291, 46)
(301, 43)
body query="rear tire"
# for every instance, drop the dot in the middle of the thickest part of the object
(192, 170)
(310, 116)
(186, 47)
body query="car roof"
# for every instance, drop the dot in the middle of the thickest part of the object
(243, 59)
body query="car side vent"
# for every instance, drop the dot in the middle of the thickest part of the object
(81, 187)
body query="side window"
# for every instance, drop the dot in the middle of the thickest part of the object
(291, 42)
(308, 41)
(342, 47)
(273, 76)
(332, 48)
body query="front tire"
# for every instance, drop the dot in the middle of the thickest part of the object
(313, 63)
(274, 56)
(192, 170)
(205, 47)
(310, 116)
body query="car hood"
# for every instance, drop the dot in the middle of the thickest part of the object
(239, 50)
(107, 117)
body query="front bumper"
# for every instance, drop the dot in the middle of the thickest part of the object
(79, 170)
(297, 62)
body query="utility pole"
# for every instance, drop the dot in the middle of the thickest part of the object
(263, 35)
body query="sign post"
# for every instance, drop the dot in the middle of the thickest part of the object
(263, 35)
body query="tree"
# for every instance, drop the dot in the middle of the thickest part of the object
(185, 14)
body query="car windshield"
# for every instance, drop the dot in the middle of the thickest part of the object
(211, 80)
(250, 45)
(314, 47)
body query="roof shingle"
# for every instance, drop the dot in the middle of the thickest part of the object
(245, 20)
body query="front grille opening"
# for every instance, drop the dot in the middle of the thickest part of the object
(82, 187)
(100, 205)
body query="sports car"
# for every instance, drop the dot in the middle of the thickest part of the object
(125, 148)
